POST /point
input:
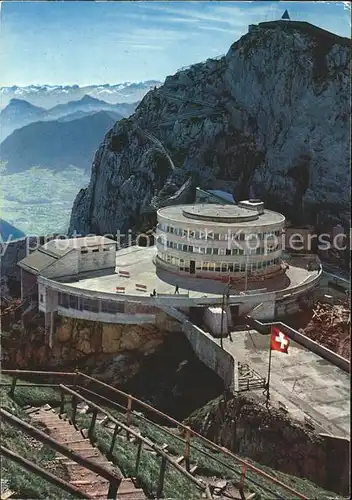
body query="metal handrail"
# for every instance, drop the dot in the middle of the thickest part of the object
(196, 434)
(140, 438)
(176, 423)
(32, 467)
(113, 477)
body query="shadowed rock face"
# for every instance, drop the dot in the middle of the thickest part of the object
(280, 124)
(272, 438)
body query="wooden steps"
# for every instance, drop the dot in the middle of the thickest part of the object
(67, 434)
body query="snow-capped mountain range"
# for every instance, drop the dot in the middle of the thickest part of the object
(47, 96)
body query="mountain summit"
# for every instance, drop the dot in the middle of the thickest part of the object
(272, 114)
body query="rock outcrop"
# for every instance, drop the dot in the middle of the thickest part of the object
(272, 438)
(273, 115)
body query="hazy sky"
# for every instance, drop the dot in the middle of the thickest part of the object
(109, 42)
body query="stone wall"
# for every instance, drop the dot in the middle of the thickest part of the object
(75, 338)
(271, 438)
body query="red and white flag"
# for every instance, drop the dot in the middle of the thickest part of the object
(279, 341)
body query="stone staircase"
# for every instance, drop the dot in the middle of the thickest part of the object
(60, 428)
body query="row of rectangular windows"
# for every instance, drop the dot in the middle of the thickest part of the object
(210, 235)
(105, 249)
(225, 267)
(82, 304)
(217, 251)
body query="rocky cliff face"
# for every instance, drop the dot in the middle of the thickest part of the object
(272, 114)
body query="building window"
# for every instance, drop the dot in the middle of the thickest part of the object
(73, 302)
(237, 268)
(216, 236)
(215, 251)
(230, 268)
(112, 307)
(84, 250)
(95, 250)
(63, 300)
(211, 266)
(204, 266)
(223, 267)
(217, 267)
(185, 248)
(41, 298)
(91, 305)
(209, 251)
(228, 251)
(222, 251)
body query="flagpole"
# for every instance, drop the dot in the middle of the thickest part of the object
(269, 371)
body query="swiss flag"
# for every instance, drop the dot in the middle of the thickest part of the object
(279, 341)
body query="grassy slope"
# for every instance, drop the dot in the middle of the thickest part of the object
(176, 487)
(24, 483)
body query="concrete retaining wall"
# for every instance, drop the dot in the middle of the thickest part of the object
(207, 351)
(337, 465)
(220, 361)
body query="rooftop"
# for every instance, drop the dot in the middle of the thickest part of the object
(53, 250)
(219, 215)
(139, 262)
(37, 261)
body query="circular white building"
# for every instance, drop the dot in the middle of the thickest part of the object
(220, 241)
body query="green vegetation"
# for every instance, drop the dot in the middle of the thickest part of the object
(39, 200)
(124, 455)
(25, 484)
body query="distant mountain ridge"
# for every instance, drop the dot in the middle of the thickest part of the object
(56, 144)
(48, 96)
(8, 232)
(19, 112)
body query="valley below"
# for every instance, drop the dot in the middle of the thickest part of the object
(39, 200)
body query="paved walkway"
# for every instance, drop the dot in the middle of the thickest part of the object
(307, 384)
